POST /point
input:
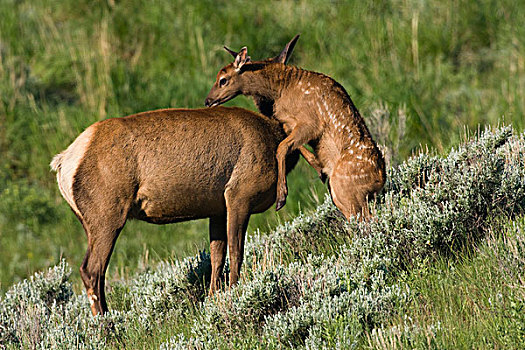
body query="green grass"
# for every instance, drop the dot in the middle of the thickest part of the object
(473, 302)
(469, 302)
(419, 73)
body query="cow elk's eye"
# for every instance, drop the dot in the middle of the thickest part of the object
(222, 82)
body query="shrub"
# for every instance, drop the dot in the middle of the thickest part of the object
(431, 206)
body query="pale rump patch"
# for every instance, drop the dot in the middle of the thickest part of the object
(66, 164)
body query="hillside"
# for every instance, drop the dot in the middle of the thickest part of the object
(441, 264)
(419, 72)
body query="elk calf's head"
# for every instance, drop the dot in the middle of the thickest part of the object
(313, 109)
(229, 82)
(238, 77)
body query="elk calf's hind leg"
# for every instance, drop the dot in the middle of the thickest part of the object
(350, 185)
(349, 198)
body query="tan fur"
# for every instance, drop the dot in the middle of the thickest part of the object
(167, 166)
(314, 109)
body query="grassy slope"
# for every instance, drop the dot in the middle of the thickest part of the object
(441, 266)
(66, 64)
(474, 302)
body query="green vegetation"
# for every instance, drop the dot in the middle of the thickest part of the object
(442, 263)
(477, 302)
(420, 72)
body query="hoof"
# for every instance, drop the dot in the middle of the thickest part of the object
(280, 204)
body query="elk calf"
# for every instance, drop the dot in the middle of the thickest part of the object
(314, 109)
(168, 166)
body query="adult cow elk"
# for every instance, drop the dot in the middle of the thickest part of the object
(167, 166)
(314, 109)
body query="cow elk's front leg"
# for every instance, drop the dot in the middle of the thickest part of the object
(218, 244)
(237, 221)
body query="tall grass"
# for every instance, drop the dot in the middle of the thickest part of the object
(65, 64)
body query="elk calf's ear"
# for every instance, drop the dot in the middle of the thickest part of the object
(241, 58)
(285, 55)
(231, 52)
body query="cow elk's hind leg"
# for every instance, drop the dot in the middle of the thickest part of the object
(218, 244)
(101, 240)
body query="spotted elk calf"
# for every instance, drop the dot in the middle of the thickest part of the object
(168, 166)
(314, 109)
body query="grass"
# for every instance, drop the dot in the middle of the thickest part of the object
(439, 266)
(472, 302)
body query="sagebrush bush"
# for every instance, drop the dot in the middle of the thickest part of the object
(430, 206)
(315, 282)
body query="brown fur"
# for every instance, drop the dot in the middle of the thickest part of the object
(314, 109)
(167, 166)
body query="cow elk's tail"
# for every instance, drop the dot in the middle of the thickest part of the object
(57, 162)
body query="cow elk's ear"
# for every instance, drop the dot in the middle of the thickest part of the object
(241, 58)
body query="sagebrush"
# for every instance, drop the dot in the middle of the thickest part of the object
(317, 281)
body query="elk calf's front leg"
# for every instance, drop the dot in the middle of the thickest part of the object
(300, 135)
(282, 188)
